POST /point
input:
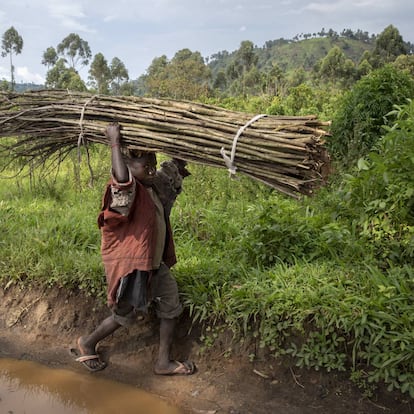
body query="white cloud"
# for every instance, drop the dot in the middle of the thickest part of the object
(65, 9)
(4, 73)
(24, 75)
(349, 6)
(69, 15)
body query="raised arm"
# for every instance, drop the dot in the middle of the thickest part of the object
(119, 168)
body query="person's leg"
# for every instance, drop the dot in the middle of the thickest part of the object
(122, 315)
(164, 365)
(167, 327)
(87, 343)
(168, 307)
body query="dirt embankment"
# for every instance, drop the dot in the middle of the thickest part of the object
(42, 325)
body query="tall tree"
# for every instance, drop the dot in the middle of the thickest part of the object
(246, 58)
(246, 55)
(50, 57)
(336, 67)
(75, 50)
(155, 79)
(388, 46)
(118, 74)
(274, 80)
(332, 65)
(99, 74)
(12, 43)
(220, 81)
(188, 75)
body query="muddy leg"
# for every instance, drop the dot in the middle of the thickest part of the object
(165, 366)
(87, 344)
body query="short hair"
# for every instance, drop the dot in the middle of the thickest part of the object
(140, 155)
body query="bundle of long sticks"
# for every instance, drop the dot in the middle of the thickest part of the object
(284, 152)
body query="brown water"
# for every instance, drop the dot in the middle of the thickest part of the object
(30, 388)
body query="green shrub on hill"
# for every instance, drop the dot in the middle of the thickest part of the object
(357, 124)
(381, 191)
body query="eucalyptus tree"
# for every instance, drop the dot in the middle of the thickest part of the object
(245, 58)
(388, 46)
(49, 57)
(74, 50)
(246, 55)
(156, 78)
(99, 74)
(188, 75)
(12, 43)
(274, 80)
(335, 66)
(118, 74)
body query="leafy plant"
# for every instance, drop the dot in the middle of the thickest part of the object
(357, 125)
(381, 191)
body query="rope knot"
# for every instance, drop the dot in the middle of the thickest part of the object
(229, 161)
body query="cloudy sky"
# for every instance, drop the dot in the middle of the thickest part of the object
(137, 31)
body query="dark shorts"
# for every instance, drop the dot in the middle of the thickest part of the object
(162, 293)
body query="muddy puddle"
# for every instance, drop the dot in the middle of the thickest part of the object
(30, 388)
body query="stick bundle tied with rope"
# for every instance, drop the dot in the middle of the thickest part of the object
(284, 152)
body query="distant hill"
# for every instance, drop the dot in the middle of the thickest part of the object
(22, 87)
(292, 54)
(306, 53)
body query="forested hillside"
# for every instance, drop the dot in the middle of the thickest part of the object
(290, 55)
(272, 69)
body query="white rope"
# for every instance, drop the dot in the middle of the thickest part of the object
(229, 161)
(81, 139)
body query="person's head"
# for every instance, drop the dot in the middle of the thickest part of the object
(143, 165)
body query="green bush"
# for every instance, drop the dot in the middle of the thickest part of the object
(278, 230)
(381, 192)
(357, 125)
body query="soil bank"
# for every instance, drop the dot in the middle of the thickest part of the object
(42, 324)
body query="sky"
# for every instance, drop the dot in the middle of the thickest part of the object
(137, 31)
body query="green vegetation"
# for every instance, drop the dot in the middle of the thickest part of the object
(357, 125)
(326, 280)
(324, 60)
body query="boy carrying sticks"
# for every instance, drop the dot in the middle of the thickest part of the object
(138, 250)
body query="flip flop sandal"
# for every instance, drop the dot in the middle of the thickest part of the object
(182, 368)
(85, 359)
